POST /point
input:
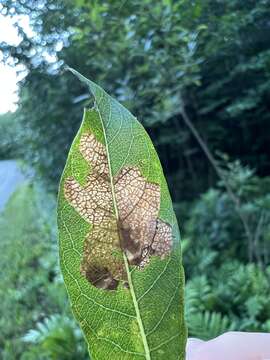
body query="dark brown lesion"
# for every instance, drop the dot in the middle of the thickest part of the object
(138, 232)
(139, 253)
(100, 277)
(130, 244)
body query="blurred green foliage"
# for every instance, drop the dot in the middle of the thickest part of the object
(56, 337)
(31, 286)
(213, 220)
(9, 135)
(224, 292)
(212, 56)
(151, 55)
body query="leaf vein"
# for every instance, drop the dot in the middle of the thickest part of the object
(154, 282)
(164, 342)
(164, 313)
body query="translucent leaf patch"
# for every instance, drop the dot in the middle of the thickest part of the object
(137, 231)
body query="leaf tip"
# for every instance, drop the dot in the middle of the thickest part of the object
(93, 87)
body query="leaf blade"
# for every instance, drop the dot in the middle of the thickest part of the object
(162, 280)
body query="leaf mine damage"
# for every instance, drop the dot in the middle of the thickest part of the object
(137, 232)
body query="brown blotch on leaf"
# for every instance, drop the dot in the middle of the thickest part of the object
(100, 277)
(138, 232)
(129, 243)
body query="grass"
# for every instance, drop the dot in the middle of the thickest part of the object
(35, 317)
(24, 245)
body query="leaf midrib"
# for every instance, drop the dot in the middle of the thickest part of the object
(131, 287)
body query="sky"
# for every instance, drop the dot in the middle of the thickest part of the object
(8, 77)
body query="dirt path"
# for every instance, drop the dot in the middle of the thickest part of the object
(10, 177)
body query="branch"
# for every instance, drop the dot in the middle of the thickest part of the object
(229, 190)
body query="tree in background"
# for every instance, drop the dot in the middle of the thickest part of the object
(150, 55)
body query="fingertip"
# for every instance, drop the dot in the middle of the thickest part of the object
(192, 347)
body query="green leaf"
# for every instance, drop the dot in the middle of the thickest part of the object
(119, 239)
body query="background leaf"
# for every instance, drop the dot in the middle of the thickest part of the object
(146, 320)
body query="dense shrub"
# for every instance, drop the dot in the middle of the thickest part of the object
(225, 289)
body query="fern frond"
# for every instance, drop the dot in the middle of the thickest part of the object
(59, 337)
(208, 325)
